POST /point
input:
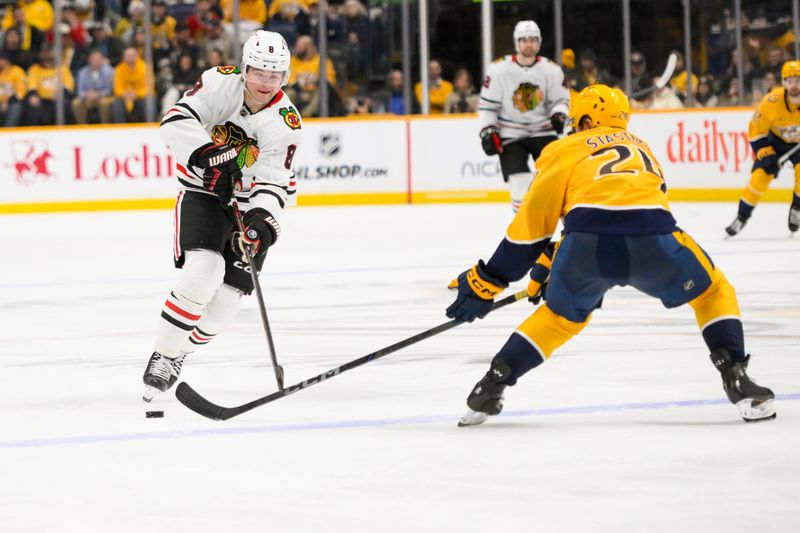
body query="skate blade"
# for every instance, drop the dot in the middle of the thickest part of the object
(472, 418)
(149, 393)
(759, 412)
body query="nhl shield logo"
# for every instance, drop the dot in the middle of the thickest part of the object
(329, 144)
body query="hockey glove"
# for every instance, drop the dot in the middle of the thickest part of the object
(476, 292)
(490, 140)
(540, 276)
(768, 159)
(261, 231)
(558, 121)
(221, 172)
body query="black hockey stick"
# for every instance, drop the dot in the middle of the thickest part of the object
(259, 296)
(191, 399)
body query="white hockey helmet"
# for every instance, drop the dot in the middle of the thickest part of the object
(526, 28)
(267, 50)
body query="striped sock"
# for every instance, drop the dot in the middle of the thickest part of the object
(200, 338)
(178, 320)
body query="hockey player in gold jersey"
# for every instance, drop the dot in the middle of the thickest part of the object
(618, 230)
(774, 131)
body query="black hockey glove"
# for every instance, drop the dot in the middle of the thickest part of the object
(221, 172)
(540, 276)
(491, 141)
(558, 121)
(476, 292)
(261, 231)
(768, 159)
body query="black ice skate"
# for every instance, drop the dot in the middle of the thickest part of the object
(755, 403)
(486, 398)
(794, 219)
(161, 374)
(736, 226)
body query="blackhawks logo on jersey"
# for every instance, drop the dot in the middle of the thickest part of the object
(228, 69)
(527, 97)
(234, 135)
(290, 117)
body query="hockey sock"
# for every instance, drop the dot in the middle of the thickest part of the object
(726, 334)
(518, 185)
(796, 196)
(218, 314)
(178, 318)
(759, 183)
(197, 283)
(536, 339)
(718, 315)
(520, 355)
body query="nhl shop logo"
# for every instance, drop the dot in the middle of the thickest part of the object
(330, 144)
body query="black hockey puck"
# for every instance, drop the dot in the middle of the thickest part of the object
(154, 414)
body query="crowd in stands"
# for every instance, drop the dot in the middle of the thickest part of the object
(768, 42)
(104, 77)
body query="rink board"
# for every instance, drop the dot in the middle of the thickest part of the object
(377, 160)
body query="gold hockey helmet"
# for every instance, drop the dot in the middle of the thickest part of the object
(604, 105)
(790, 69)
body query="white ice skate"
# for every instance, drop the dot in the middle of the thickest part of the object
(754, 411)
(161, 373)
(472, 418)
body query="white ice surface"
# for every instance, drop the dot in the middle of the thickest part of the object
(626, 429)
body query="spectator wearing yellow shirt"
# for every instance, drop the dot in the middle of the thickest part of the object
(12, 92)
(163, 30)
(304, 67)
(38, 13)
(130, 88)
(438, 88)
(304, 80)
(679, 80)
(40, 102)
(31, 38)
(252, 16)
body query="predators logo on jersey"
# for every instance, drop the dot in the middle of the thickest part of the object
(527, 97)
(791, 134)
(290, 117)
(233, 135)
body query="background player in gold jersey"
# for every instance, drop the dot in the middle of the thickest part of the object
(774, 131)
(609, 188)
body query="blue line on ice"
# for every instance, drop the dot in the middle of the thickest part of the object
(345, 424)
(126, 281)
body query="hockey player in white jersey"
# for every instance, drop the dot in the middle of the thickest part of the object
(523, 108)
(233, 134)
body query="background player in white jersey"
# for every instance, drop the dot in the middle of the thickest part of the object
(523, 108)
(233, 134)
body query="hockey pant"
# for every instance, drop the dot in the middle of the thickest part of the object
(762, 175)
(670, 267)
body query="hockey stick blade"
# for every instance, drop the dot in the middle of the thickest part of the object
(662, 80)
(200, 405)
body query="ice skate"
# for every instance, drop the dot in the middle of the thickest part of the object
(161, 374)
(736, 226)
(755, 403)
(794, 219)
(486, 398)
